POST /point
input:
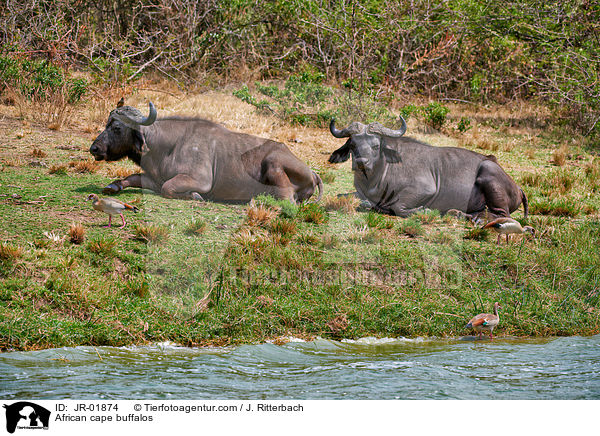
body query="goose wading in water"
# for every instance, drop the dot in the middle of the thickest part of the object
(508, 226)
(485, 321)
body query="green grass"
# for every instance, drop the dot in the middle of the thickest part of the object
(199, 273)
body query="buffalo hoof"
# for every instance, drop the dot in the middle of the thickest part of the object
(113, 188)
(197, 197)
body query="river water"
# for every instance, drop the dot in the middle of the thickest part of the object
(558, 368)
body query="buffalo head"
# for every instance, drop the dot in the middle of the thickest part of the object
(122, 135)
(366, 143)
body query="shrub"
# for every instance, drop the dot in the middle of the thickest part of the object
(435, 114)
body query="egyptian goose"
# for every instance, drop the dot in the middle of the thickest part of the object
(111, 206)
(485, 321)
(506, 226)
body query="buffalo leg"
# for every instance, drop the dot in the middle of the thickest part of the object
(184, 187)
(276, 176)
(401, 212)
(132, 181)
(495, 185)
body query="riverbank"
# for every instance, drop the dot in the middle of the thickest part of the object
(214, 274)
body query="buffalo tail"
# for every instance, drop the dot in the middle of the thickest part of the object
(319, 183)
(525, 203)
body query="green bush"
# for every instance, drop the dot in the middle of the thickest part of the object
(39, 79)
(435, 114)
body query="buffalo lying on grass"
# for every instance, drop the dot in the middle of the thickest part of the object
(192, 158)
(400, 176)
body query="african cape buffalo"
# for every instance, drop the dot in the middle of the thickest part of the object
(192, 158)
(399, 175)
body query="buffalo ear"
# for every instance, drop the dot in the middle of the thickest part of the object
(391, 155)
(340, 155)
(121, 102)
(138, 140)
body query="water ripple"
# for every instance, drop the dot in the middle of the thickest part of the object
(562, 368)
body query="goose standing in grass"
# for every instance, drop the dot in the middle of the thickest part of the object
(485, 321)
(111, 206)
(507, 226)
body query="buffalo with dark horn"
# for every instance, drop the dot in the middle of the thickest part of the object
(192, 158)
(398, 175)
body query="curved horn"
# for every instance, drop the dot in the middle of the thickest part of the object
(136, 122)
(337, 133)
(352, 129)
(384, 131)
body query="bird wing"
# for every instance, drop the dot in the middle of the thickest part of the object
(499, 223)
(118, 204)
(477, 321)
(491, 321)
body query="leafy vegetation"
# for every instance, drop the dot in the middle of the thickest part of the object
(468, 50)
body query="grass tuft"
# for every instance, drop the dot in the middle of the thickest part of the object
(476, 234)
(36, 152)
(154, 233)
(313, 213)
(376, 220)
(102, 245)
(327, 176)
(195, 227)
(9, 252)
(559, 156)
(76, 233)
(343, 203)
(411, 227)
(283, 227)
(60, 169)
(84, 166)
(259, 214)
(560, 206)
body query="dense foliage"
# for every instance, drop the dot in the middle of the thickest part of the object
(457, 49)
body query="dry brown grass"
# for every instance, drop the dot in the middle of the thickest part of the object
(251, 239)
(60, 169)
(84, 166)
(14, 162)
(119, 172)
(9, 252)
(559, 156)
(343, 203)
(76, 233)
(283, 227)
(151, 233)
(36, 152)
(259, 214)
(195, 227)
(530, 153)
